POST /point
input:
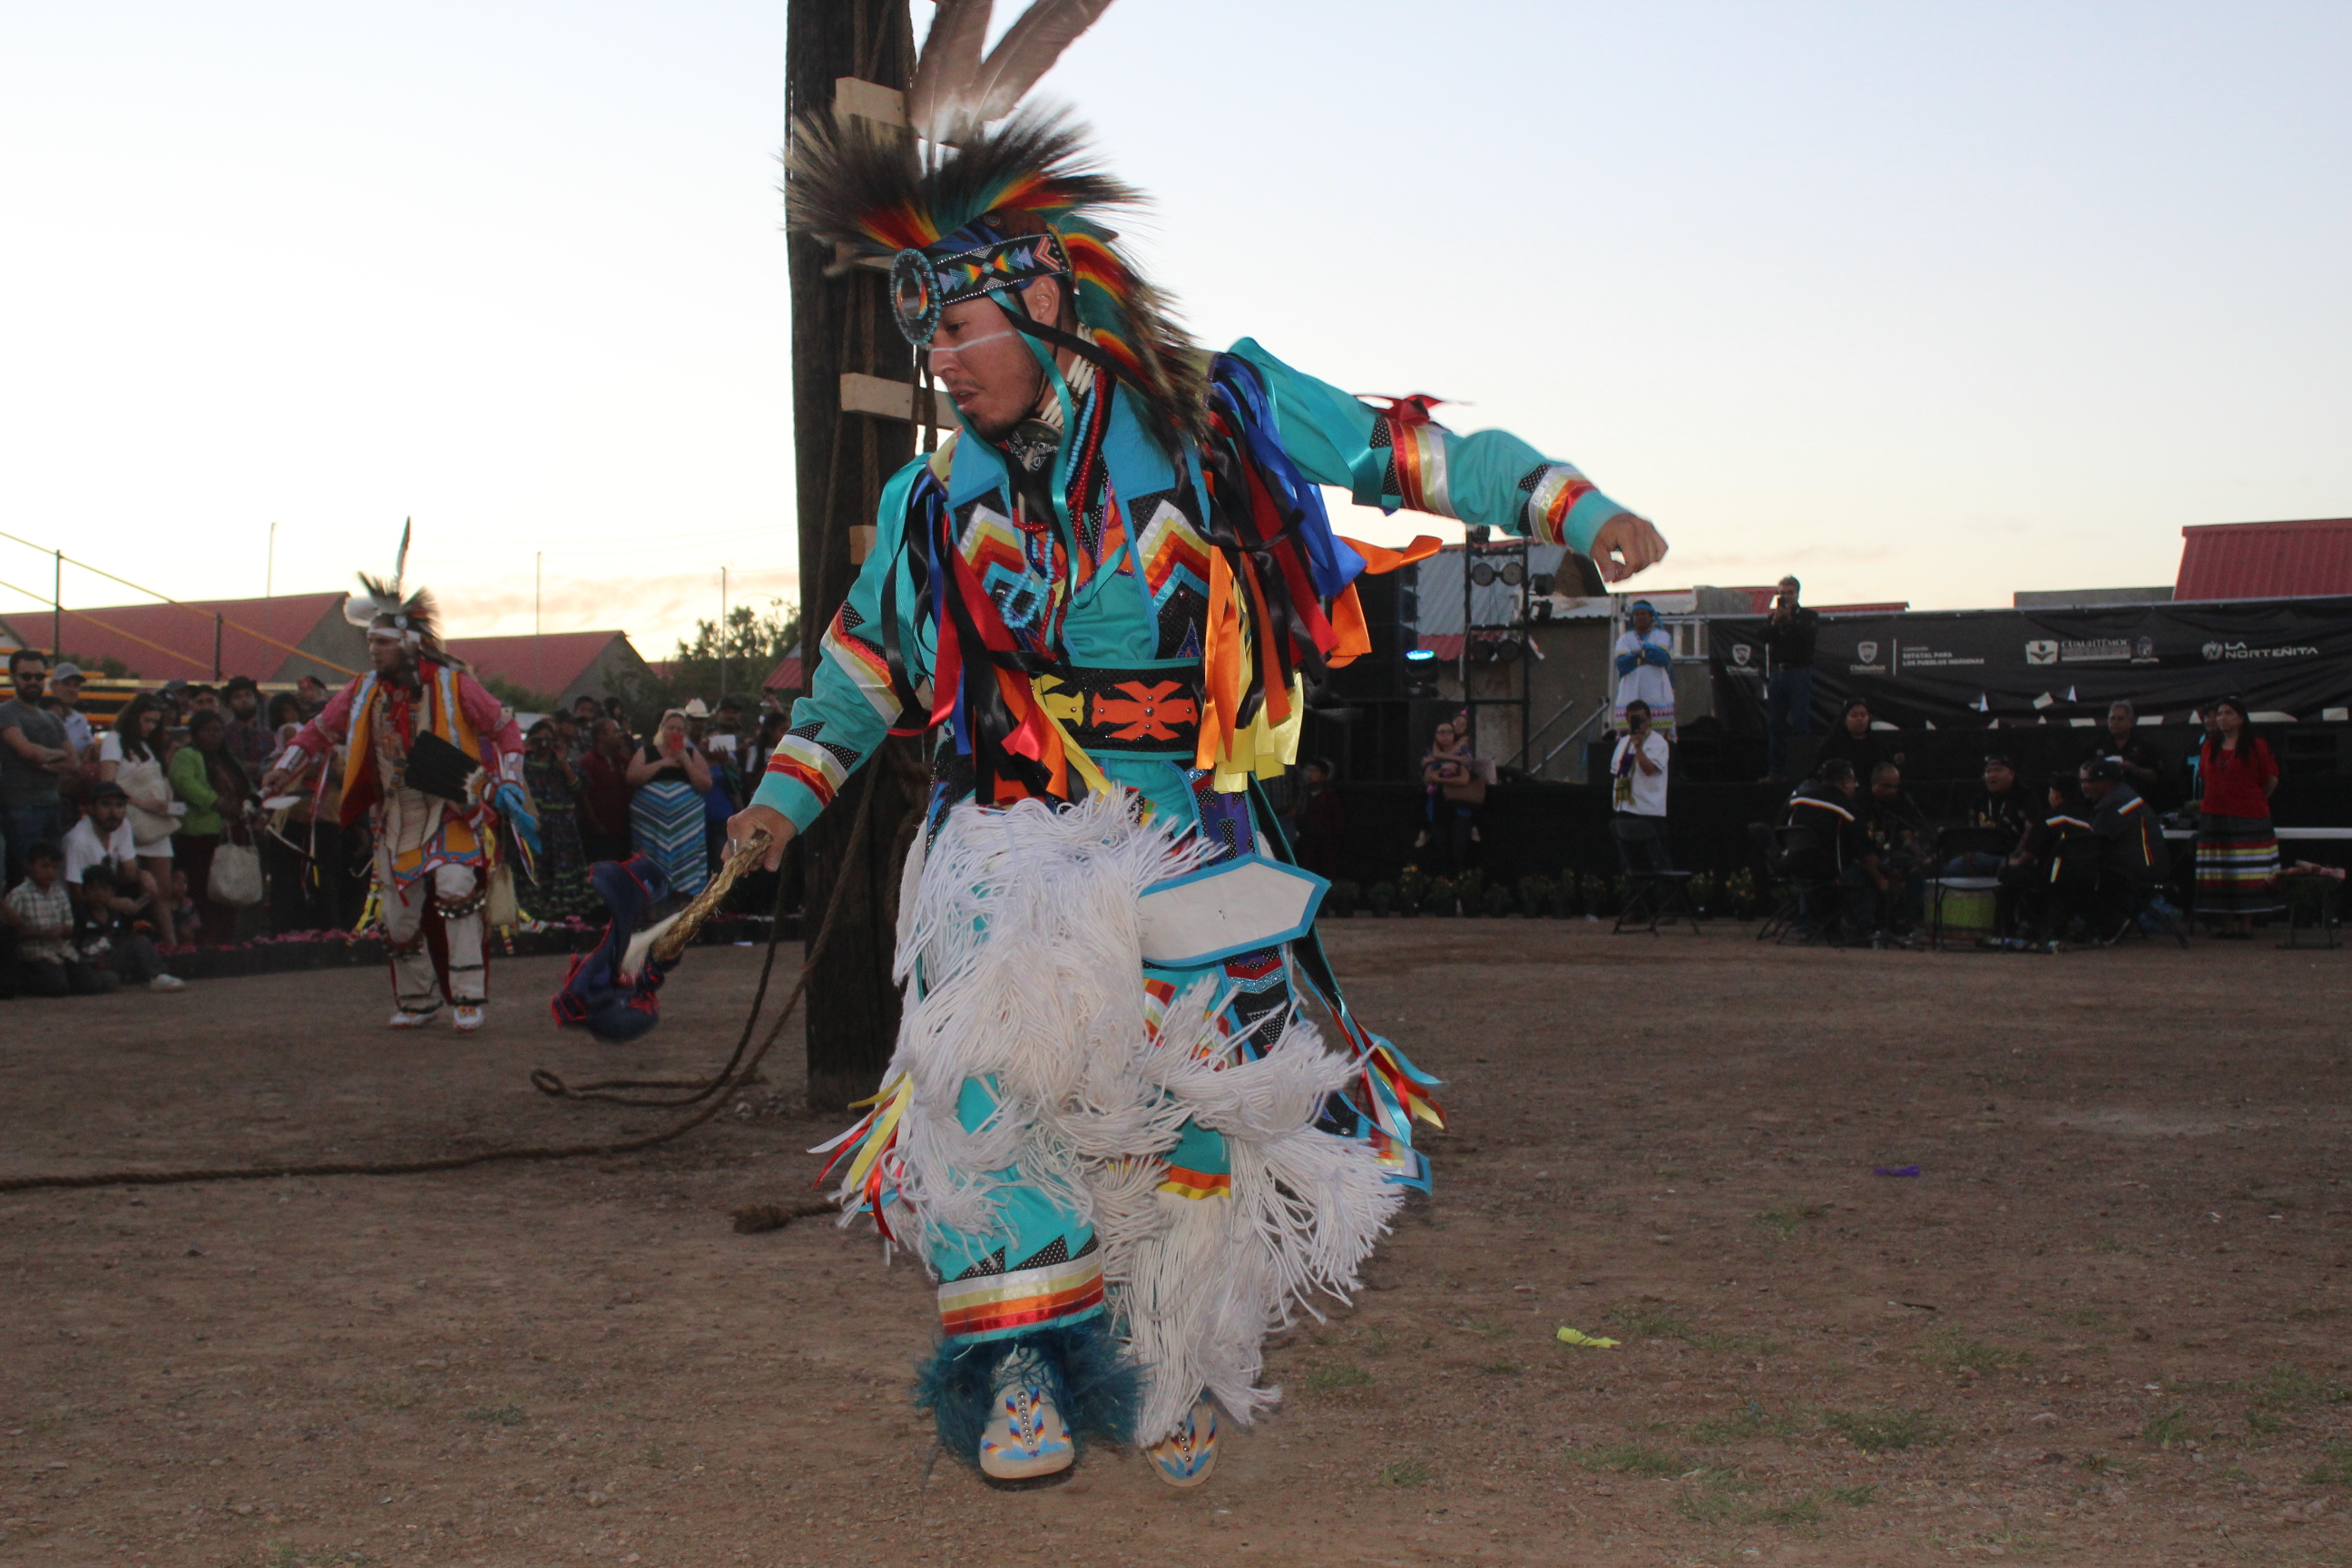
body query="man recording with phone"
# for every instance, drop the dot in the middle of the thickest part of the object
(1638, 794)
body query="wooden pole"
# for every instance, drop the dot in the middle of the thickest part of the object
(843, 324)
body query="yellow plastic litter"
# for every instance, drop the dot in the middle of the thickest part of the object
(1569, 1336)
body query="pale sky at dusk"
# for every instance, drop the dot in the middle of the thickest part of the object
(1930, 302)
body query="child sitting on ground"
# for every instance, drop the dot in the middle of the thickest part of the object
(110, 935)
(47, 962)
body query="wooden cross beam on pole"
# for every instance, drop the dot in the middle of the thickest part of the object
(857, 56)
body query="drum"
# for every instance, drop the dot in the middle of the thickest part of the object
(1968, 911)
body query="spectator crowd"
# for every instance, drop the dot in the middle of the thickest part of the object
(131, 841)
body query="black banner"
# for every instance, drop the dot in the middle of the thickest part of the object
(1950, 668)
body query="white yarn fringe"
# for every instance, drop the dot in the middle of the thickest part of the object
(1028, 968)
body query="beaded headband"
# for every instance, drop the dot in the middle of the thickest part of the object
(923, 285)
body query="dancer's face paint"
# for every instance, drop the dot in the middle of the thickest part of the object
(984, 363)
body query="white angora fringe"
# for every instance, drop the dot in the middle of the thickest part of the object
(1028, 969)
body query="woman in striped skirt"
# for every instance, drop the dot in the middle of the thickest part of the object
(669, 777)
(2237, 849)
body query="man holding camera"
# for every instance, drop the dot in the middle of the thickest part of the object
(1638, 791)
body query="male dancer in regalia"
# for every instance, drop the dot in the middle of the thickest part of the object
(1115, 1127)
(433, 854)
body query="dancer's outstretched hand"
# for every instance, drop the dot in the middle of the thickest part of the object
(761, 819)
(1624, 545)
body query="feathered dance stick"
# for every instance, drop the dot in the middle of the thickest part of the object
(610, 991)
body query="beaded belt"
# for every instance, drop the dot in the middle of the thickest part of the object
(1152, 712)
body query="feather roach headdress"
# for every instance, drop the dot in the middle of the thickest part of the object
(380, 606)
(987, 208)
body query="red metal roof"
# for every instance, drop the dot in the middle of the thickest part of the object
(549, 663)
(785, 677)
(161, 642)
(2309, 559)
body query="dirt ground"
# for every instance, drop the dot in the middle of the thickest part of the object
(2109, 1319)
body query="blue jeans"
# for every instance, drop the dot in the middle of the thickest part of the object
(21, 827)
(1788, 710)
(1643, 849)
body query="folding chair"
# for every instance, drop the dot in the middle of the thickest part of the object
(2146, 901)
(1650, 895)
(1792, 859)
(1950, 843)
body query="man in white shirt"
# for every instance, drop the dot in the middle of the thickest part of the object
(102, 842)
(102, 834)
(1638, 791)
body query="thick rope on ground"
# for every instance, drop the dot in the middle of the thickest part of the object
(725, 1079)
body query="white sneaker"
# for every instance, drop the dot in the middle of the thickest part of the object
(407, 1020)
(1024, 1437)
(469, 1017)
(167, 982)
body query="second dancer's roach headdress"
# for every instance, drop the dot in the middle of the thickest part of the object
(385, 610)
(996, 206)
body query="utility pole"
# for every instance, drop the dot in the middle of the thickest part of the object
(58, 605)
(270, 570)
(538, 628)
(722, 634)
(842, 323)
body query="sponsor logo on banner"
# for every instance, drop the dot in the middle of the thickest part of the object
(2232, 652)
(1927, 656)
(1944, 664)
(2083, 651)
(1740, 654)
